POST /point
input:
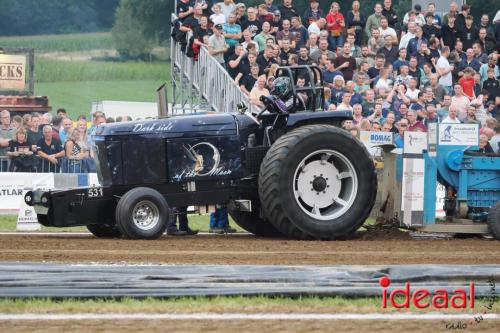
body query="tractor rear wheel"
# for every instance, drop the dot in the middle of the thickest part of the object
(494, 220)
(317, 182)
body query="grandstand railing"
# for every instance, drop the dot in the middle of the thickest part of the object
(203, 85)
(40, 165)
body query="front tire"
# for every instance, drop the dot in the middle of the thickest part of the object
(104, 230)
(318, 182)
(142, 213)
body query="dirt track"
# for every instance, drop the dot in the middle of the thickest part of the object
(240, 326)
(246, 249)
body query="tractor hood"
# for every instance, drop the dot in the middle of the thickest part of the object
(178, 126)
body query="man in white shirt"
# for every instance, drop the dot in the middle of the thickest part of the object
(412, 91)
(315, 27)
(227, 7)
(386, 30)
(452, 117)
(460, 102)
(444, 69)
(405, 39)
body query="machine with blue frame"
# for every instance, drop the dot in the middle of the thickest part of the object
(471, 178)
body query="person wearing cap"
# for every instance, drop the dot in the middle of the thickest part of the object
(217, 45)
(313, 13)
(288, 10)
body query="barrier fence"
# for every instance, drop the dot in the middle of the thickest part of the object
(37, 164)
(203, 85)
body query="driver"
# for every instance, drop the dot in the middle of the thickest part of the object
(283, 98)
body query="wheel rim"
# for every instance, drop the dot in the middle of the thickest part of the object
(325, 184)
(145, 215)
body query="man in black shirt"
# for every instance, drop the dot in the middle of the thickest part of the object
(49, 150)
(252, 23)
(184, 9)
(266, 59)
(389, 13)
(389, 50)
(429, 29)
(286, 50)
(287, 10)
(469, 33)
(449, 33)
(236, 60)
(248, 81)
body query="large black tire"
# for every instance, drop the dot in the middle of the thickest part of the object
(142, 213)
(104, 230)
(251, 222)
(277, 181)
(494, 220)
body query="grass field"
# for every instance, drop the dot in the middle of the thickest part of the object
(60, 43)
(219, 304)
(75, 84)
(48, 70)
(199, 222)
(76, 97)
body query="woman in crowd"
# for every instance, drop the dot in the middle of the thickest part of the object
(21, 153)
(74, 153)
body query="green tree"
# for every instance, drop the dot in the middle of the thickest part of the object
(128, 33)
(34, 17)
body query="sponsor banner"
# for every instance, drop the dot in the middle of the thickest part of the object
(26, 219)
(458, 134)
(415, 142)
(12, 185)
(12, 72)
(373, 139)
(412, 200)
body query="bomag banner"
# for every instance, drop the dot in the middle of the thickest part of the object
(12, 72)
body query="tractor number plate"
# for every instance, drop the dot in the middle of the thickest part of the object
(95, 192)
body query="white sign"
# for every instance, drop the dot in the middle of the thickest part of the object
(412, 199)
(12, 72)
(12, 185)
(373, 139)
(459, 134)
(27, 220)
(414, 142)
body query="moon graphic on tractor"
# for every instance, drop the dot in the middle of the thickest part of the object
(206, 158)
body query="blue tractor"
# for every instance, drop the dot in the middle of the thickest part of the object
(471, 179)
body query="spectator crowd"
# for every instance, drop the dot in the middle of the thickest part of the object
(394, 73)
(45, 143)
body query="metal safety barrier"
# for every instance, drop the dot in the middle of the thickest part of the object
(202, 85)
(40, 165)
